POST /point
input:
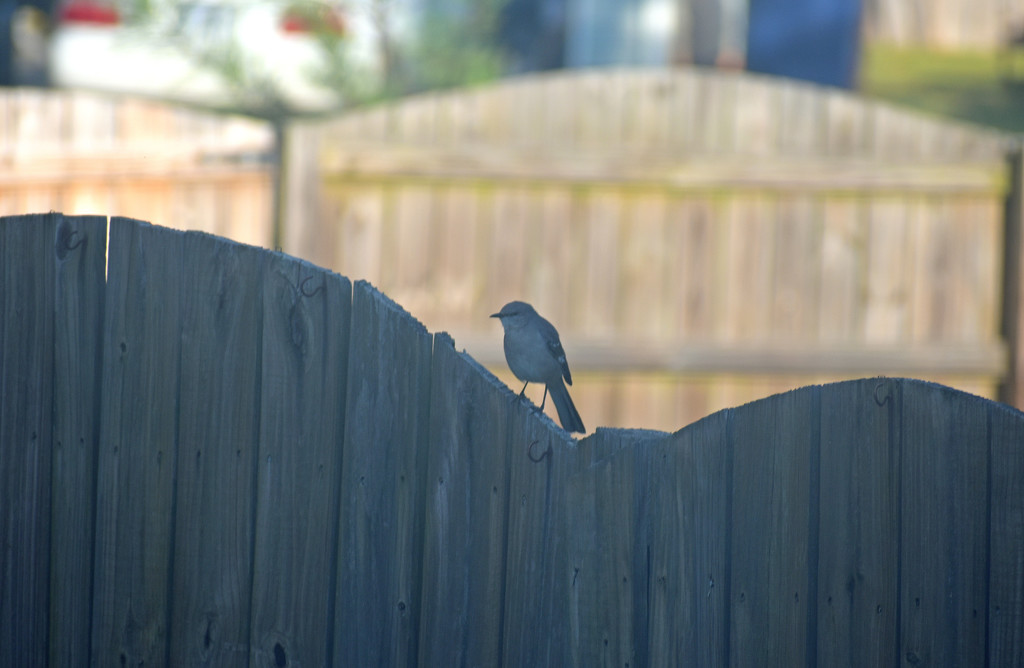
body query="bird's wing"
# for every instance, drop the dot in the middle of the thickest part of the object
(555, 346)
(551, 338)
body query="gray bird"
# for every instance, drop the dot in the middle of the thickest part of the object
(535, 355)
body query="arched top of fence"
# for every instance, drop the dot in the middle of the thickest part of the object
(668, 112)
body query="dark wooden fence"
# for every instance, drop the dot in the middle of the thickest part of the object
(212, 454)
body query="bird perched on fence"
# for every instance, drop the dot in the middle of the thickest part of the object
(534, 354)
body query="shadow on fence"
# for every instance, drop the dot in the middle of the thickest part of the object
(218, 455)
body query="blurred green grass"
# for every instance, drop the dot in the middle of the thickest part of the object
(969, 86)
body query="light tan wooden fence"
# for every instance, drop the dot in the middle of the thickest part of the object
(83, 153)
(699, 239)
(951, 24)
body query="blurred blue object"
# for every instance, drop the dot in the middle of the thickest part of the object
(813, 40)
(620, 32)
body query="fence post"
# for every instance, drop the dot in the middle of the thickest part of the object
(1012, 388)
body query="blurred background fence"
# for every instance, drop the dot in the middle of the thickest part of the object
(962, 24)
(179, 167)
(217, 455)
(699, 238)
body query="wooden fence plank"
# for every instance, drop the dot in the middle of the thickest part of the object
(383, 469)
(1005, 614)
(894, 175)
(797, 267)
(466, 513)
(773, 531)
(886, 308)
(306, 325)
(541, 457)
(747, 292)
(858, 554)
(644, 261)
(692, 230)
(602, 236)
(842, 275)
(26, 386)
(509, 251)
(137, 458)
(944, 526)
(459, 254)
(554, 256)
(218, 431)
(689, 546)
(601, 530)
(80, 246)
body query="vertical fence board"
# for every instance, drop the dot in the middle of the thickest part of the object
(26, 387)
(771, 527)
(138, 445)
(380, 549)
(944, 526)
(541, 457)
(601, 236)
(1012, 307)
(218, 433)
(80, 246)
(306, 325)
(689, 546)
(842, 279)
(747, 292)
(509, 252)
(601, 528)
(797, 264)
(858, 587)
(1006, 539)
(692, 228)
(644, 262)
(466, 510)
(886, 308)
(458, 256)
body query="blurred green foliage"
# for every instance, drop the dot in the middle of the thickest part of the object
(456, 45)
(979, 87)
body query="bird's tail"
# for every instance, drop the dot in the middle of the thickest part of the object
(567, 413)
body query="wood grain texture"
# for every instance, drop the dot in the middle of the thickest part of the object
(286, 476)
(774, 532)
(602, 530)
(383, 467)
(541, 457)
(858, 558)
(27, 337)
(137, 458)
(1005, 614)
(80, 246)
(218, 442)
(306, 324)
(465, 532)
(690, 496)
(944, 527)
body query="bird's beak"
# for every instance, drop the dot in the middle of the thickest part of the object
(495, 315)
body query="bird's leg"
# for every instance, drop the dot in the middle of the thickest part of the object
(545, 397)
(522, 392)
